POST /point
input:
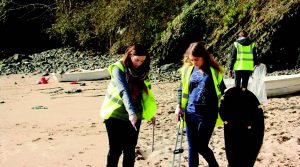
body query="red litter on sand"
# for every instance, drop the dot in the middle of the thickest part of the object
(74, 82)
(43, 80)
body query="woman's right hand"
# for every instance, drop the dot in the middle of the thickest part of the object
(179, 113)
(231, 74)
(133, 119)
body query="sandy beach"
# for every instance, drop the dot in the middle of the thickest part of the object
(58, 125)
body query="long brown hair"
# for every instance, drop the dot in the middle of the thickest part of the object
(137, 50)
(198, 50)
(135, 76)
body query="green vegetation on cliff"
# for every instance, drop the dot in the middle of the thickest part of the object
(165, 26)
(109, 25)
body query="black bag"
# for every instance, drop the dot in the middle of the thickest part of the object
(243, 126)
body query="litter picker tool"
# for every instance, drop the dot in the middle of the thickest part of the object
(153, 127)
(179, 138)
(153, 122)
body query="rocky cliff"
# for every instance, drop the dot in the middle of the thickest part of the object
(272, 25)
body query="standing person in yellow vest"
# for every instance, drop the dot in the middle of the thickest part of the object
(128, 100)
(243, 60)
(199, 95)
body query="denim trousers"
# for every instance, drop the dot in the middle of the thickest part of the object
(199, 130)
(122, 138)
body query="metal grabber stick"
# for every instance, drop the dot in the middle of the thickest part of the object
(153, 129)
(179, 150)
(153, 122)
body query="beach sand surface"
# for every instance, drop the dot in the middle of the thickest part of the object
(58, 125)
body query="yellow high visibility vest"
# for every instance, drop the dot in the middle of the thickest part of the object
(113, 100)
(185, 82)
(244, 59)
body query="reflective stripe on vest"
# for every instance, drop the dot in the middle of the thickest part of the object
(113, 100)
(217, 78)
(185, 82)
(244, 59)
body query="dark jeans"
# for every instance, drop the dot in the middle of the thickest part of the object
(199, 131)
(122, 137)
(242, 76)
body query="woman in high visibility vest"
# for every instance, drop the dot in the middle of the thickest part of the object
(128, 100)
(243, 60)
(199, 93)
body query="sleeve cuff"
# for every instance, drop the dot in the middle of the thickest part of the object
(131, 112)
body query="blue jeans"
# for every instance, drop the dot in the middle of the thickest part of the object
(122, 137)
(199, 131)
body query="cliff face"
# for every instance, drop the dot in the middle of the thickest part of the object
(167, 29)
(274, 27)
(279, 43)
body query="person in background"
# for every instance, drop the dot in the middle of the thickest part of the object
(128, 100)
(243, 60)
(199, 95)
